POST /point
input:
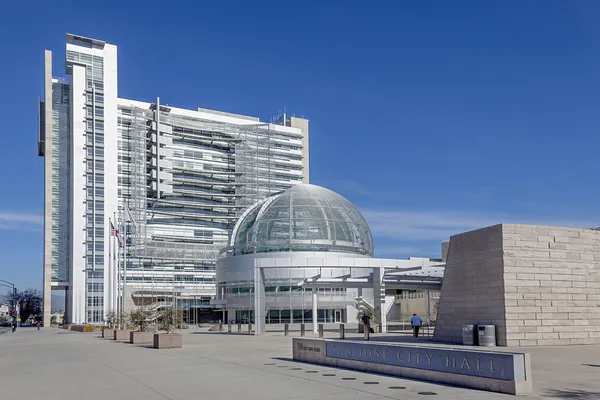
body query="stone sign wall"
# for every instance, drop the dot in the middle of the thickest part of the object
(487, 370)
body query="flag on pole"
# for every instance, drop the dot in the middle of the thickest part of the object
(113, 231)
(129, 217)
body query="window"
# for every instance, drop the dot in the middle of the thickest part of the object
(100, 233)
(89, 124)
(99, 151)
(100, 125)
(100, 165)
(99, 178)
(100, 192)
(90, 192)
(90, 246)
(99, 112)
(90, 179)
(99, 246)
(99, 98)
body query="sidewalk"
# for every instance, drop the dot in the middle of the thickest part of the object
(72, 365)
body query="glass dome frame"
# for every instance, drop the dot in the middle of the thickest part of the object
(303, 218)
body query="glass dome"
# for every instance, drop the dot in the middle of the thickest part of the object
(303, 218)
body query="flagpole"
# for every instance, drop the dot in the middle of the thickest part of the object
(125, 262)
(109, 274)
(115, 292)
(118, 274)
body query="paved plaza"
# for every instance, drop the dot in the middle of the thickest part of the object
(57, 364)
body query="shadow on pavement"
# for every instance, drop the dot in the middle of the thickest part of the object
(574, 394)
(592, 365)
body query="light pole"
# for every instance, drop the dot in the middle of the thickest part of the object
(14, 296)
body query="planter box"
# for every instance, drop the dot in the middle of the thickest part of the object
(108, 333)
(141, 337)
(121, 335)
(168, 341)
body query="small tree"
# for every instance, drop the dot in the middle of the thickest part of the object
(140, 318)
(53, 320)
(169, 320)
(112, 319)
(373, 314)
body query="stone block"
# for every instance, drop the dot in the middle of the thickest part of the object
(168, 341)
(141, 337)
(528, 342)
(573, 335)
(121, 335)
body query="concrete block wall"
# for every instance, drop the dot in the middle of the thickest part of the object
(539, 285)
(473, 286)
(552, 285)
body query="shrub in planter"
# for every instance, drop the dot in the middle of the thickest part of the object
(140, 318)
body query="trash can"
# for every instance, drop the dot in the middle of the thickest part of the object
(468, 335)
(486, 335)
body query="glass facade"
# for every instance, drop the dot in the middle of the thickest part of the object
(61, 181)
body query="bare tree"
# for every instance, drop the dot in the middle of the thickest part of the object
(29, 302)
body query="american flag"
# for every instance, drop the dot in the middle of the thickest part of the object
(113, 231)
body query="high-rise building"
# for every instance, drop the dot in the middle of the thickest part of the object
(171, 181)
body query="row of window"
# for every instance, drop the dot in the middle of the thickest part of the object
(99, 260)
(99, 192)
(99, 179)
(99, 152)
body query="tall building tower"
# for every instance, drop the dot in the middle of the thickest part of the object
(174, 180)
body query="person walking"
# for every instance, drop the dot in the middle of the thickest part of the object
(366, 320)
(416, 323)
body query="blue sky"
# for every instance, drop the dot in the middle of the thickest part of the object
(434, 117)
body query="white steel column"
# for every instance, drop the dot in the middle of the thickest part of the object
(379, 297)
(259, 300)
(315, 303)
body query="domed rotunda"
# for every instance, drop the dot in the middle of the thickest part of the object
(302, 218)
(304, 255)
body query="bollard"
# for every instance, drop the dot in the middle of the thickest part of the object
(320, 330)
(220, 327)
(239, 328)
(302, 329)
(366, 331)
(229, 327)
(342, 332)
(286, 329)
(249, 328)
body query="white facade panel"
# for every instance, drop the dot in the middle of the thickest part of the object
(110, 167)
(78, 196)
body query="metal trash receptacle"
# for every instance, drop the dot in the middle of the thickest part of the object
(468, 335)
(486, 335)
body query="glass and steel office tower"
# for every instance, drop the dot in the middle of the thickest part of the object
(185, 175)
